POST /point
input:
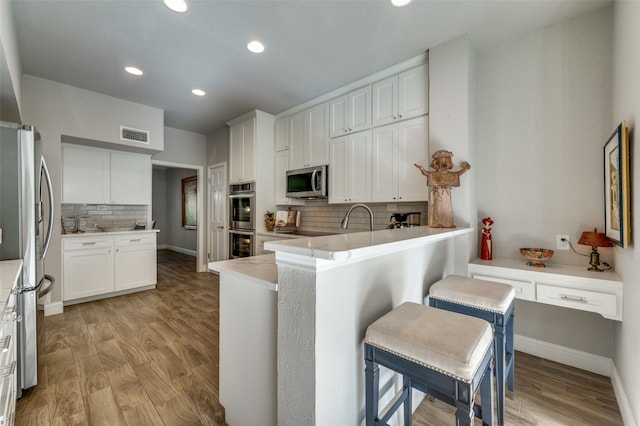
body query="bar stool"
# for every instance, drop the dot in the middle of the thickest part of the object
(490, 301)
(443, 354)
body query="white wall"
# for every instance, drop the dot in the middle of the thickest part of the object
(159, 202)
(544, 112)
(58, 109)
(10, 63)
(626, 106)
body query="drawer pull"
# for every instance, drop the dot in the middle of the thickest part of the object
(135, 239)
(8, 370)
(10, 310)
(573, 298)
(6, 342)
(91, 243)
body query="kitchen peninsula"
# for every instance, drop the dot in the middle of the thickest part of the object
(315, 310)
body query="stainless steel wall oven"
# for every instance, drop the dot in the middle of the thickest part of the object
(242, 219)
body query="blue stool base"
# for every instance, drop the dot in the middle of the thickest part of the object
(434, 383)
(503, 343)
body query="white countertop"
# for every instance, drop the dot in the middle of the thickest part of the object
(9, 273)
(357, 244)
(98, 233)
(262, 269)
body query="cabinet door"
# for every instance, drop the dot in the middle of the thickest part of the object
(337, 116)
(412, 93)
(242, 151)
(297, 148)
(385, 101)
(282, 134)
(360, 170)
(385, 163)
(87, 273)
(282, 164)
(338, 166)
(359, 110)
(135, 262)
(130, 178)
(85, 175)
(413, 147)
(317, 135)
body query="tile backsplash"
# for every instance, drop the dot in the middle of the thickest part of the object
(323, 217)
(89, 215)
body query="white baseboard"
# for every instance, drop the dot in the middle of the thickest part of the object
(53, 308)
(575, 358)
(193, 253)
(621, 397)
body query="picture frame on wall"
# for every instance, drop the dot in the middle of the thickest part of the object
(617, 210)
(189, 202)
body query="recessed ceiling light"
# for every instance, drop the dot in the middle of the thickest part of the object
(255, 46)
(133, 70)
(176, 5)
(400, 3)
(198, 92)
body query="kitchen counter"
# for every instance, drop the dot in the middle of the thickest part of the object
(9, 274)
(307, 319)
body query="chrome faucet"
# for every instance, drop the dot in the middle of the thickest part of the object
(345, 220)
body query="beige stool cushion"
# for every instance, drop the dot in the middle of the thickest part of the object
(448, 342)
(488, 295)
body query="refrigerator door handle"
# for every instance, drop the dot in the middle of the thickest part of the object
(47, 177)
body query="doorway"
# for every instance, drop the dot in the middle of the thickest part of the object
(167, 210)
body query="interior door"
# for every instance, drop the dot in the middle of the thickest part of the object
(217, 212)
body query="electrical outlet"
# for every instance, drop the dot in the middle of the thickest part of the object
(562, 242)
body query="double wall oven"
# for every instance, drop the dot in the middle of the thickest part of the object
(242, 219)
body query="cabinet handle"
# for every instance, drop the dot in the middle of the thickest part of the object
(135, 239)
(4, 347)
(7, 370)
(394, 117)
(399, 115)
(578, 299)
(92, 243)
(11, 310)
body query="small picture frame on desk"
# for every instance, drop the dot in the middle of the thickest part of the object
(617, 210)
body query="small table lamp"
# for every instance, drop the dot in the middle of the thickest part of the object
(594, 239)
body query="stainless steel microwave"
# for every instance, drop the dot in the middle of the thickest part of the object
(308, 183)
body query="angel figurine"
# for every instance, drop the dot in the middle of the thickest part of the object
(440, 181)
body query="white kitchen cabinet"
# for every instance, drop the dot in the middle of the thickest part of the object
(400, 97)
(242, 157)
(350, 113)
(99, 176)
(282, 134)
(309, 137)
(282, 165)
(350, 164)
(396, 148)
(135, 261)
(572, 287)
(87, 267)
(107, 264)
(10, 272)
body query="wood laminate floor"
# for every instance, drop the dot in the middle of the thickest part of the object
(151, 358)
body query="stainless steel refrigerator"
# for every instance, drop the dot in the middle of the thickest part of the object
(24, 215)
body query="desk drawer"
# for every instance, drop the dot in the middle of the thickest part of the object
(601, 303)
(525, 290)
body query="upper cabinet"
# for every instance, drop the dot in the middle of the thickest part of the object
(309, 137)
(99, 176)
(401, 96)
(350, 113)
(396, 148)
(242, 157)
(282, 134)
(350, 162)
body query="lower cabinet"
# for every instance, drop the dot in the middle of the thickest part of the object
(104, 264)
(8, 345)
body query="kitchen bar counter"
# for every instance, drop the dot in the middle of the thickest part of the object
(300, 347)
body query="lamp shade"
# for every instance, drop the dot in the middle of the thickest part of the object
(594, 239)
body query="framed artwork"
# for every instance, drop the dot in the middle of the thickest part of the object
(189, 202)
(616, 187)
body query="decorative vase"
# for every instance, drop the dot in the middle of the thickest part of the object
(270, 224)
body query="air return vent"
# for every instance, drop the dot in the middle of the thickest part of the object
(134, 135)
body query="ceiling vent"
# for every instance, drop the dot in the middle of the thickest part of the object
(134, 135)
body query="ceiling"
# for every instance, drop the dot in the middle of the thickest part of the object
(312, 46)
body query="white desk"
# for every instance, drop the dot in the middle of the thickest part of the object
(571, 287)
